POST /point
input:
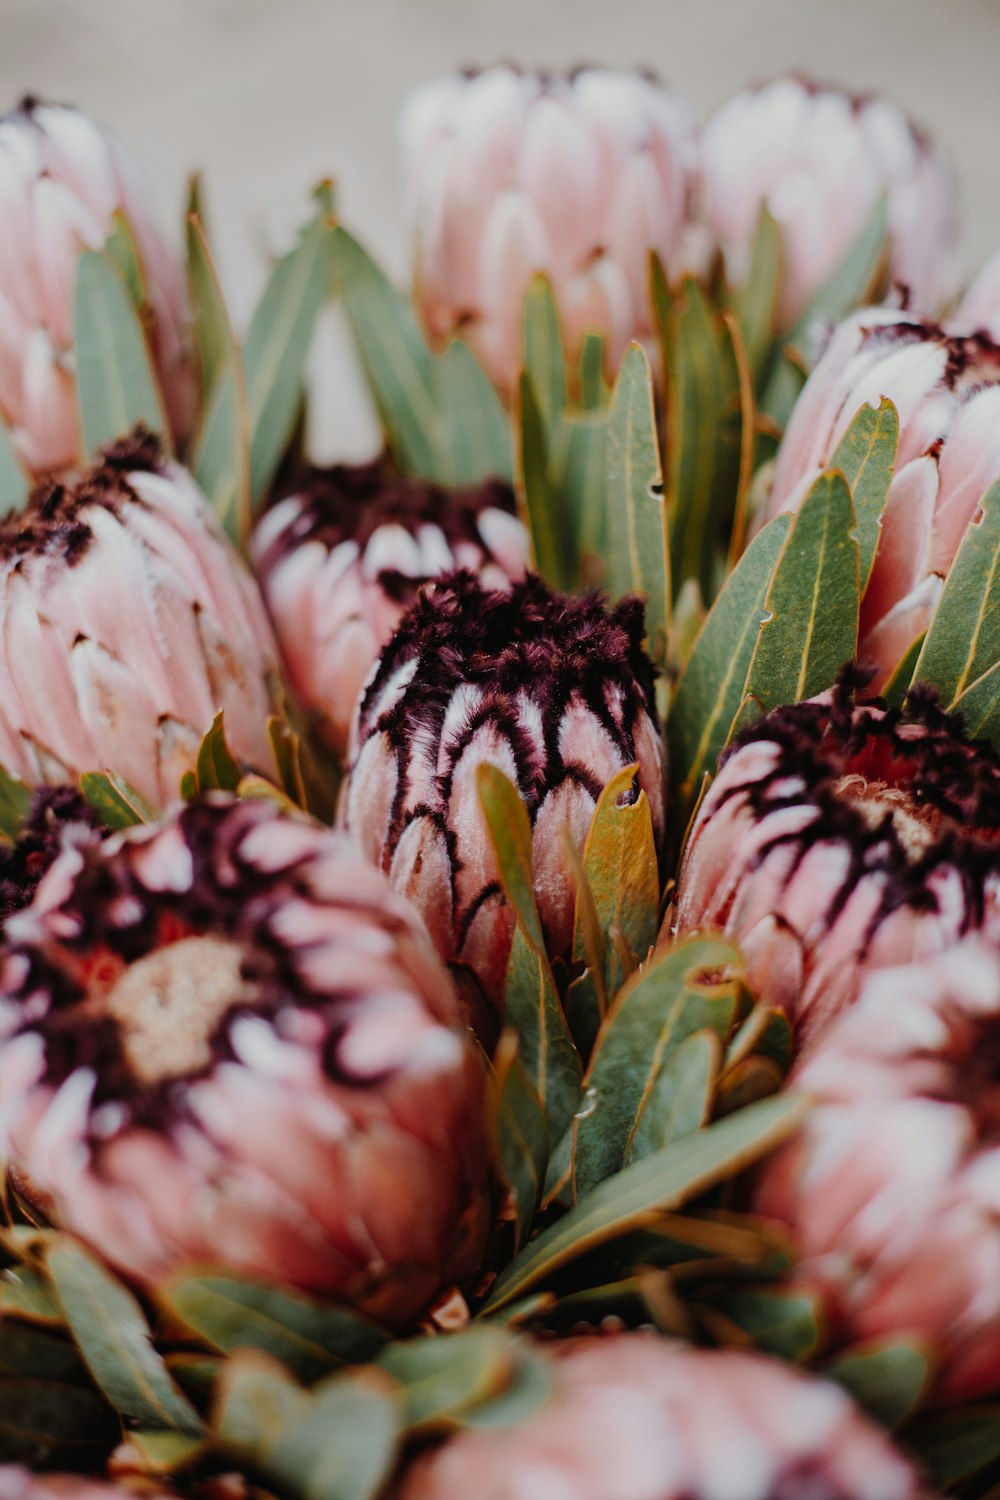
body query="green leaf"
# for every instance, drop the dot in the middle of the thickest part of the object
(520, 1134)
(277, 344)
(544, 354)
(478, 429)
(963, 642)
(529, 1387)
(563, 474)
(311, 1338)
(680, 1099)
(287, 748)
(636, 560)
(657, 1010)
(122, 249)
(755, 304)
(164, 1452)
(593, 387)
(889, 1380)
(335, 1442)
(14, 483)
(217, 769)
(510, 834)
(866, 456)
(115, 801)
(813, 601)
(704, 431)
(532, 1008)
(898, 686)
(782, 1322)
(15, 804)
(25, 1293)
(443, 1378)
(115, 384)
(849, 285)
(620, 868)
(221, 460)
(114, 1339)
(954, 1445)
(710, 692)
(634, 1196)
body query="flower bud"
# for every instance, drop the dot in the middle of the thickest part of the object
(229, 1042)
(841, 838)
(979, 309)
(555, 691)
(892, 1189)
(129, 621)
(819, 160)
(342, 558)
(512, 173)
(62, 180)
(946, 389)
(637, 1417)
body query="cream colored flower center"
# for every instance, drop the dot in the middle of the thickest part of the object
(169, 1003)
(916, 825)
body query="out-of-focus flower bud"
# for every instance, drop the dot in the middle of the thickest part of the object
(555, 691)
(129, 621)
(17, 1483)
(838, 839)
(512, 173)
(342, 558)
(637, 1417)
(892, 1189)
(947, 392)
(62, 180)
(58, 818)
(820, 159)
(229, 1041)
(979, 309)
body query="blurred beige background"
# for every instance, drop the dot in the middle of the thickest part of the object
(267, 96)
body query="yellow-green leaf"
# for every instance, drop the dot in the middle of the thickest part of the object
(115, 382)
(866, 456)
(963, 641)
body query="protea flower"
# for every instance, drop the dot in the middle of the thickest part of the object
(62, 180)
(229, 1042)
(891, 1189)
(979, 309)
(556, 691)
(838, 839)
(512, 173)
(340, 560)
(638, 1417)
(947, 392)
(57, 818)
(128, 622)
(820, 159)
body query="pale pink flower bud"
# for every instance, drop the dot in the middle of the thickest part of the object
(979, 309)
(129, 621)
(946, 390)
(637, 1417)
(17, 1483)
(580, 176)
(555, 691)
(62, 180)
(820, 159)
(837, 839)
(228, 1041)
(892, 1190)
(342, 558)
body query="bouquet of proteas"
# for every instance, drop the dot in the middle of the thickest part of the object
(500, 945)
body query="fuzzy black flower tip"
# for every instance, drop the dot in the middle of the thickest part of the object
(840, 837)
(556, 691)
(58, 818)
(342, 557)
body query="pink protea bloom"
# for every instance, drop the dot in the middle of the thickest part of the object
(512, 173)
(62, 180)
(129, 621)
(841, 838)
(228, 1041)
(946, 389)
(892, 1189)
(637, 1417)
(342, 558)
(820, 159)
(979, 309)
(555, 691)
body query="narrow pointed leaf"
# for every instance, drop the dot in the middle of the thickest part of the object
(780, 1322)
(633, 1197)
(712, 687)
(510, 834)
(636, 558)
(620, 867)
(217, 769)
(657, 1010)
(680, 1099)
(533, 1010)
(979, 706)
(520, 1134)
(115, 383)
(478, 429)
(116, 803)
(963, 641)
(444, 1378)
(213, 333)
(593, 388)
(15, 804)
(165, 1452)
(114, 1338)
(755, 305)
(544, 355)
(14, 482)
(899, 683)
(813, 601)
(866, 456)
(888, 1380)
(122, 249)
